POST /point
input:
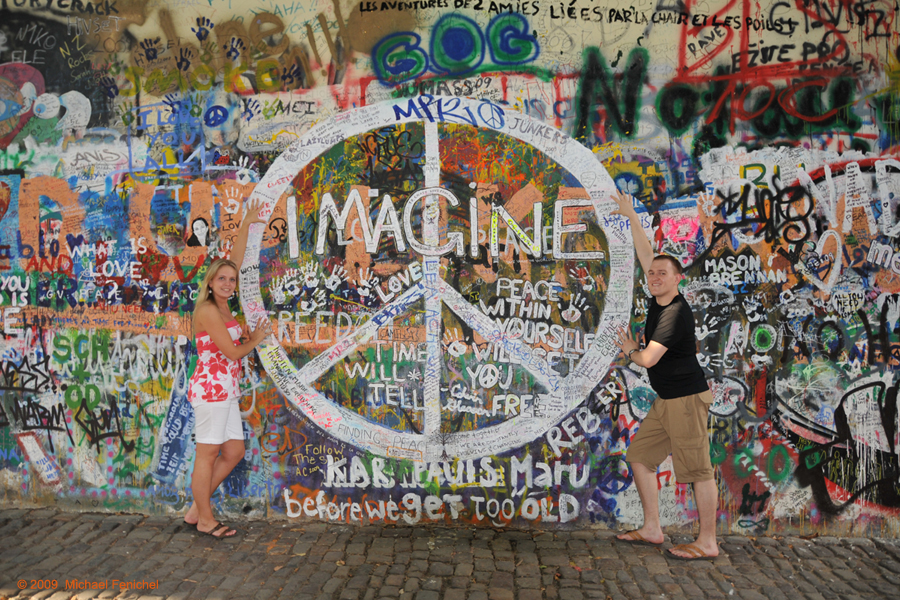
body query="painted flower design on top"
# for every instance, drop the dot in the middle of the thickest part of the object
(216, 376)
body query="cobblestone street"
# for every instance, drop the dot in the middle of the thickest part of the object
(314, 560)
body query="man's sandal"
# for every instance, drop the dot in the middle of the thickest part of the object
(634, 537)
(695, 553)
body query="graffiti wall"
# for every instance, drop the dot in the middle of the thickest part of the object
(440, 267)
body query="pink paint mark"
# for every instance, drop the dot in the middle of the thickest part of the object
(680, 230)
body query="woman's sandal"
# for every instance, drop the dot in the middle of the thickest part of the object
(217, 527)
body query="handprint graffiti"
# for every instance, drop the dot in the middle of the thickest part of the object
(151, 52)
(204, 26)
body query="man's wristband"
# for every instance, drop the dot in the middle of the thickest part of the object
(632, 352)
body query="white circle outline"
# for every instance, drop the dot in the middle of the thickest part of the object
(565, 393)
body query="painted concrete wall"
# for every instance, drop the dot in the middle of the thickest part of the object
(440, 266)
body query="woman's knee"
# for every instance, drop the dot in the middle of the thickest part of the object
(207, 453)
(233, 451)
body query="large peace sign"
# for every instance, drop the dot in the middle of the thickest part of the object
(459, 303)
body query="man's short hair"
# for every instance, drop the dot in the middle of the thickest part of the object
(675, 262)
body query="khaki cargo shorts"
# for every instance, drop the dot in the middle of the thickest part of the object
(676, 426)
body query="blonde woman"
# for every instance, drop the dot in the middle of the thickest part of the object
(213, 390)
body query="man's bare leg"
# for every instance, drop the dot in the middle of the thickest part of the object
(648, 490)
(706, 495)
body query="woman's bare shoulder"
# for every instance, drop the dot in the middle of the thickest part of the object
(206, 314)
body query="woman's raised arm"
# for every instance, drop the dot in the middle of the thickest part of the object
(240, 242)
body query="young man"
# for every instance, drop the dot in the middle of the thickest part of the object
(676, 424)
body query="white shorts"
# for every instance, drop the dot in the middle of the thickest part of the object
(217, 422)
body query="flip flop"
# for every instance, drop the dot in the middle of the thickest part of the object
(217, 527)
(189, 525)
(635, 538)
(695, 553)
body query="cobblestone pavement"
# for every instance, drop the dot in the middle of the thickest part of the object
(315, 560)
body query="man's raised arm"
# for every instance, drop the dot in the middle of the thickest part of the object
(642, 246)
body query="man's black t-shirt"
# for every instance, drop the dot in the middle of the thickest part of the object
(677, 373)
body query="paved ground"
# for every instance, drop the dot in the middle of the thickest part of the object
(314, 560)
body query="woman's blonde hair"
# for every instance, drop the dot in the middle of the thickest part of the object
(204, 293)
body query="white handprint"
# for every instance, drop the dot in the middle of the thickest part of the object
(454, 343)
(310, 304)
(702, 332)
(286, 285)
(576, 307)
(893, 312)
(245, 172)
(366, 282)
(278, 294)
(754, 310)
(337, 277)
(707, 203)
(292, 283)
(310, 274)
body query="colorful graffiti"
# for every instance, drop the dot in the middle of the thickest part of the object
(439, 264)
